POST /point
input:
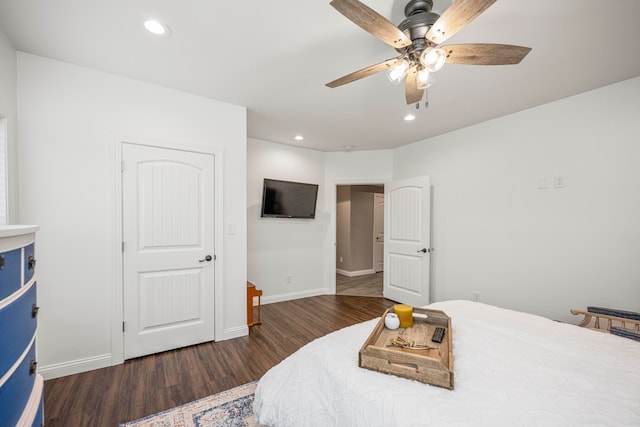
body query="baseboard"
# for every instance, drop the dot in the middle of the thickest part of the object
(295, 295)
(355, 273)
(237, 332)
(58, 370)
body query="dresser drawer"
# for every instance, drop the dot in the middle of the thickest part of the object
(15, 392)
(10, 277)
(19, 322)
(33, 413)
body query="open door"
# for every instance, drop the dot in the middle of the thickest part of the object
(407, 245)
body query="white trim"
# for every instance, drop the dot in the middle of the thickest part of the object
(17, 294)
(77, 366)
(296, 295)
(12, 238)
(115, 175)
(218, 242)
(4, 170)
(332, 206)
(33, 404)
(115, 148)
(237, 332)
(18, 362)
(356, 273)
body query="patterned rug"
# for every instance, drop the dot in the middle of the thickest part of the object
(231, 408)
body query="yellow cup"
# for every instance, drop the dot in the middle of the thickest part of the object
(405, 314)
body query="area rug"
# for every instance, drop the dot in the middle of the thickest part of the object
(231, 408)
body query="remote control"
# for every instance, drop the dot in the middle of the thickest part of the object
(438, 335)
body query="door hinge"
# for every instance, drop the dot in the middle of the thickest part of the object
(122, 246)
(122, 326)
(122, 166)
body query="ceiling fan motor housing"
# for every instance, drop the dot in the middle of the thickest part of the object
(417, 6)
(419, 18)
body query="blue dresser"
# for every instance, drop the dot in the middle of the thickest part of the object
(21, 397)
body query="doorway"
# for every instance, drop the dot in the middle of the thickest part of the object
(359, 240)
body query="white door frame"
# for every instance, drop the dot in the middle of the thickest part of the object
(332, 197)
(115, 237)
(375, 242)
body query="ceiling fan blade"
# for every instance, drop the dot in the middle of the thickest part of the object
(372, 22)
(485, 54)
(459, 14)
(412, 93)
(365, 72)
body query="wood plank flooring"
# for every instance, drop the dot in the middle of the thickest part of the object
(369, 285)
(140, 387)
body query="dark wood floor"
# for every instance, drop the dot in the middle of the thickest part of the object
(368, 285)
(144, 386)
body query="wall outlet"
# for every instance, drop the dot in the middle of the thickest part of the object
(341, 260)
(559, 181)
(287, 279)
(476, 296)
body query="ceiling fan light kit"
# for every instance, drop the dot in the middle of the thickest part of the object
(433, 58)
(398, 71)
(417, 40)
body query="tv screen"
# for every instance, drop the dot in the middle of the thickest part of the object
(285, 199)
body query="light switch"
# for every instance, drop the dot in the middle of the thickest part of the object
(231, 229)
(543, 183)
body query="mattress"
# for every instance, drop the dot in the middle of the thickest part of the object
(511, 369)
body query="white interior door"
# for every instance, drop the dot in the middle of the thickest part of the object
(378, 232)
(168, 242)
(407, 240)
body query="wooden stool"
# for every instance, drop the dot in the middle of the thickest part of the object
(252, 292)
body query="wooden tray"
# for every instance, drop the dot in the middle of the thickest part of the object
(431, 366)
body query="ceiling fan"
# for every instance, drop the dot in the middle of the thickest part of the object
(417, 39)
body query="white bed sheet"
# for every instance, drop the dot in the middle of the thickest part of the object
(511, 369)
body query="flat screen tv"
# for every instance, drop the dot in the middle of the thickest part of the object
(285, 199)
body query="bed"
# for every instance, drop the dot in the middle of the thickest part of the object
(511, 369)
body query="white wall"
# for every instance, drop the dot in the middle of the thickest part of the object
(541, 251)
(8, 108)
(281, 247)
(70, 122)
(304, 249)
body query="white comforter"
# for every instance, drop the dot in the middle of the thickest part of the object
(511, 369)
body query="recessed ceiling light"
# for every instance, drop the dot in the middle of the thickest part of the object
(409, 117)
(298, 137)
(156, 27)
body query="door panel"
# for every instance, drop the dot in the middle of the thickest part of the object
(169, 298)
(407, 241)
(168, 230)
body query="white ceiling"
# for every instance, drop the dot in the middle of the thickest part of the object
(274, 57)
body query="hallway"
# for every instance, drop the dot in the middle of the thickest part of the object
(369, 285)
